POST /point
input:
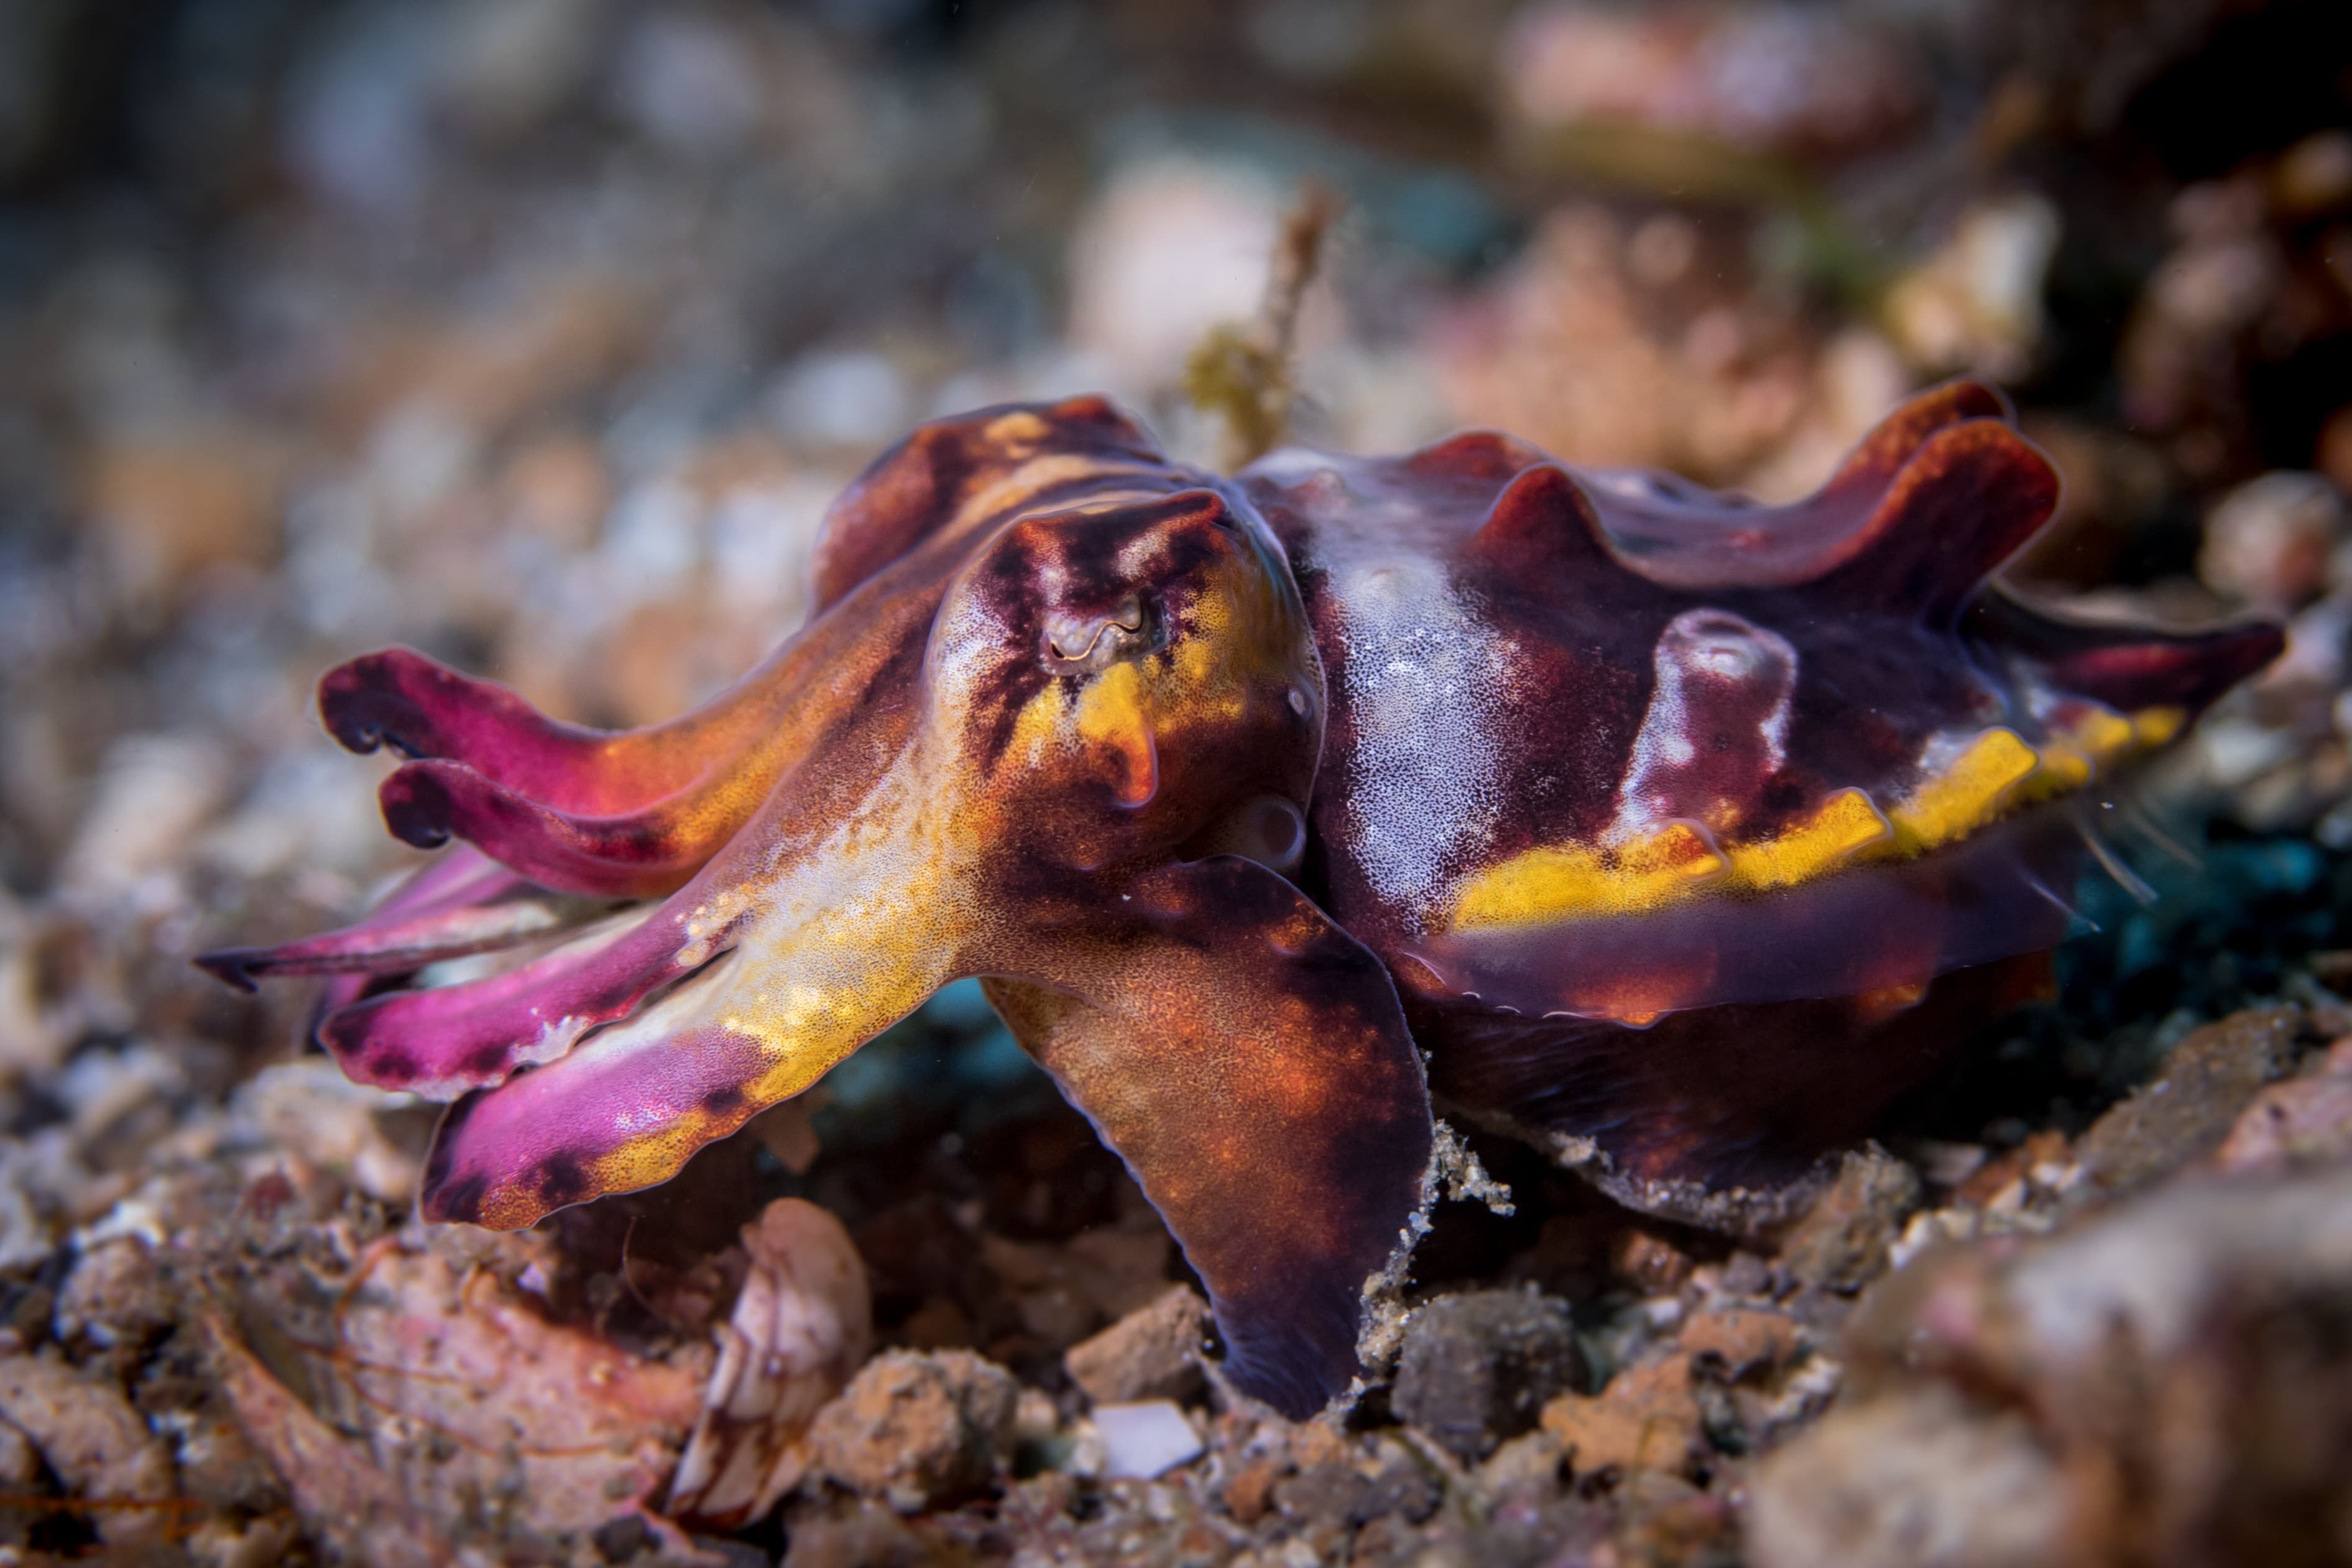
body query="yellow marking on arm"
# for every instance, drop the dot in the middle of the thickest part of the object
(1643, 874)
(1841, 827)
(1954, 803)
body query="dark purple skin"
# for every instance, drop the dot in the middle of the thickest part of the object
(1133, 688)
(1491, 626)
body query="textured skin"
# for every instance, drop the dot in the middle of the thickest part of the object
(1677, 830)
(1671, 812)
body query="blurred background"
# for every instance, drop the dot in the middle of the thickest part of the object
(537, 334)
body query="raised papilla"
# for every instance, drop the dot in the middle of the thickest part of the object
(1676, 831)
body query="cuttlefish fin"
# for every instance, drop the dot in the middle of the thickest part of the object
(1249, 1061)
(2128, 666)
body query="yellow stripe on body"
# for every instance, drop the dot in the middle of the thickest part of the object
(1953, 804)
(1992, 775)
(1841, 827)
(1643, 874)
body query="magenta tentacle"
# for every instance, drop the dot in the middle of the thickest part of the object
(422, 708)
(634, 855)
(544, 1140)
(443, 1042)
(463, 903)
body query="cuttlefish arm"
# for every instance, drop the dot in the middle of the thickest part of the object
(1247, 1059)
(635, 813)
(1107, 694)
(1055, 724)
(620, 813)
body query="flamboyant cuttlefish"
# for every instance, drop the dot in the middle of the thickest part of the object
(1676, 830)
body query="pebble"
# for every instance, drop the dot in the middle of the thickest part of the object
(97, 1445)
(1788, 79)
(1152, 1353)
(1842, 1243)
(2210, 1078)
(1477, 1368)
(917, 1428)
(1144, 1439)
(1647, 1418)
(1975, 303)
(2003, 1387)
(2270, 541)
(2303, 1122)
(317, 1116)
(1915, 1479)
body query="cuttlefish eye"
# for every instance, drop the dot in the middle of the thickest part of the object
(1076, 641)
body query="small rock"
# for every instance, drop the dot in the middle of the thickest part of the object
(2300, 1121)
(1786, 79)
(1646, 1418)
(1842, 1244)
(1171, 246)
(1530, 1462)
(1251, 1490)
(722, 1551)
(789, 1130)
(853, 397)
(116, 1294)
(917, 1428)
(1154, 1354)
(865, 1536)
(1477, 1368)
(2270, 540)
(1916, 1479)
(1656, 1266)
(1327, 1494)
(222, 1541)
(1743, 1342)
(320, 1118)
(20, 1462)
(1143, 1440)
(618, 1540)
(170, 504)
(154, 792)
(1405, 1488)
(97, 1445)
(2212, 1076)
(2189, 1338)
(1975, 303)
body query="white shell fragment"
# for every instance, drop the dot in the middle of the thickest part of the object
(1145, 1439)
(800, 1330)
